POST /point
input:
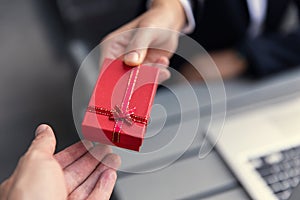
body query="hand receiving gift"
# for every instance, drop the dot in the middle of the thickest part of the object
(73, 173)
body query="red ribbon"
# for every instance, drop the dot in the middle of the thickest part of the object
(127, 118)
(122, 113)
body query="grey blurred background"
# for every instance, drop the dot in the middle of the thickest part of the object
(42, 45)
(35, 83)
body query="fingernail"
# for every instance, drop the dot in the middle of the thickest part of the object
(132, 58)
(41, 129)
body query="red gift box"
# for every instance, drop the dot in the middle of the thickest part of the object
(119, 108)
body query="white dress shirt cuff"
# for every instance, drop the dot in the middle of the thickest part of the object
(190, 24)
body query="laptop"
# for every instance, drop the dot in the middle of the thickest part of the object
(262, 148)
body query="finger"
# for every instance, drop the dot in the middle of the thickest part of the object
(112, 161)
(83, 191)
(72, 153)
(163, 60)
(138, 47)
(104, 186)
(79, 170)
(164, 74)
(155, 55)
(162, 63)
(44, 141)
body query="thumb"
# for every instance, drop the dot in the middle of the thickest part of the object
(137, 48)
(44, 141)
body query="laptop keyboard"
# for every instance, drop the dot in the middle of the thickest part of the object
(280, 171)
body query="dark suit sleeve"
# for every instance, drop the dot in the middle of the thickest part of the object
(271, 52)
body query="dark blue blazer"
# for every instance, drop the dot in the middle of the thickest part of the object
(223, 24)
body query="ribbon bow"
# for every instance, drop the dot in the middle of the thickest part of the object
(119, 115)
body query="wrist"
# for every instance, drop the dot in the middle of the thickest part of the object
(175, 10)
